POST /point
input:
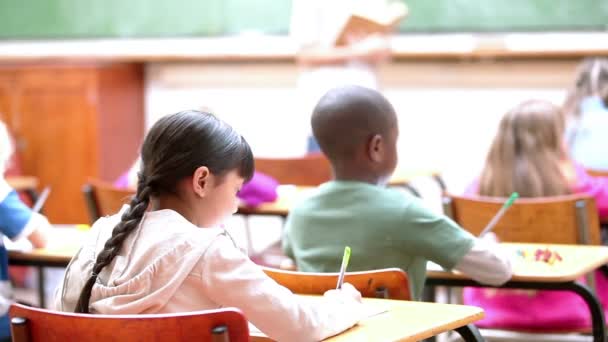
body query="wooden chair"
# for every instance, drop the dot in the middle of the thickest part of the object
(597, 173)
(30, 324)
(570, 219)
(391, 283)
(310, 170)
(104, 199)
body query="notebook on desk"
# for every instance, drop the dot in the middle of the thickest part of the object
(369, 309)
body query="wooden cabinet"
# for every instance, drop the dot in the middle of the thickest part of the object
(72, 122)
(7, 88)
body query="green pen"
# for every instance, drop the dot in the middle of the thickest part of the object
(343, 267)
(499, 214)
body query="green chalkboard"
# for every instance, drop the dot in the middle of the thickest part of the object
(506, 15)
(43, 19)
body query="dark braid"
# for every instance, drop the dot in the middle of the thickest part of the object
(128, 223)
(173, 149)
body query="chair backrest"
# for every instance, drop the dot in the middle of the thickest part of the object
(33, 324)
(389, 283)
(103, 198)
(571, 219)
(310, 170)
(597, 173)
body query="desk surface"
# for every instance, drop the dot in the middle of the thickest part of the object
(578, 260)
(409, 321)
(64, 242)
(282, 48)
(405, 321)
(404, 176)
(20, 183)
(288, 196)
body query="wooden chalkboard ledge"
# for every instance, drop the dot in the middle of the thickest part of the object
(281, 48)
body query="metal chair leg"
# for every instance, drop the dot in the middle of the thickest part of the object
(469, 333)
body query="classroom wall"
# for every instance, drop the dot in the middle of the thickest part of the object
(448, 110)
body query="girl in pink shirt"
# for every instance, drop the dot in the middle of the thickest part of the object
(528, 155)
(157, 255)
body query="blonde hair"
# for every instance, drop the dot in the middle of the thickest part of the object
(526, 152)
(6, 148)
(591, 80)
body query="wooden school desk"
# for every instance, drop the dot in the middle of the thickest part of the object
(64, 242)
(21, 183)
(413, 321)
(288, 196)
(409, 321)
(578, 260)
(27, 184)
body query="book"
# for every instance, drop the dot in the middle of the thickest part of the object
(372, 22)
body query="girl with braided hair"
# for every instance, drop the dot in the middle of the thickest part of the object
(162, 254)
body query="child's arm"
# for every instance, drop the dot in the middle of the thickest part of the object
(231, 279)
(38, 228)
(441, 240)
(285, 240)
(18, 221)
(486, 262)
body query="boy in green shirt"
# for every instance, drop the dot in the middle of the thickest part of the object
(357, 129)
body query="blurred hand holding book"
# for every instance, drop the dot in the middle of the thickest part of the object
(371, 21)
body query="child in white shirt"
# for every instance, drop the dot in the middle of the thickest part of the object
(155, 256)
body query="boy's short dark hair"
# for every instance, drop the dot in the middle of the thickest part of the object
(345, 117)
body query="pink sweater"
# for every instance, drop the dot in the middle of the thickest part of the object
(594, 186)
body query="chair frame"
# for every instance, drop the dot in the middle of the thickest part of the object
(91, 197)
(309, 170)
(29, 324)
(583, 206)
(597, 173)
(91, 202)
(388, 283)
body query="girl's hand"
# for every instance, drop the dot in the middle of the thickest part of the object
(347, 293)
(490, 237)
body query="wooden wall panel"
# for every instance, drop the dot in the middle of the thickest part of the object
(7, 85)
(72, 122)
(121, 119)
(56, 126)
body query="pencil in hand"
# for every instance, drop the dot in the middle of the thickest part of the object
(345, 259)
